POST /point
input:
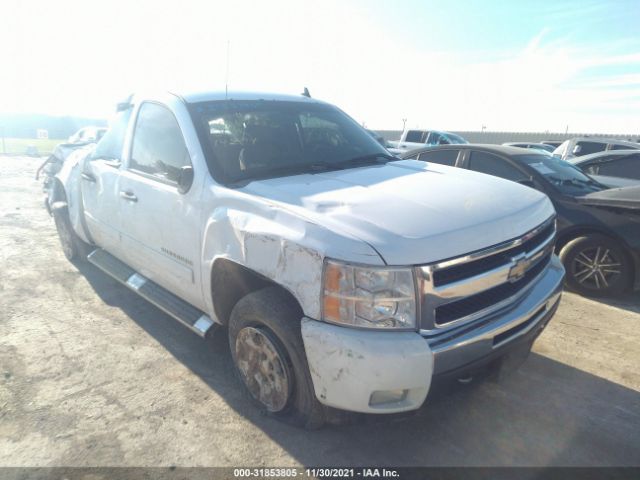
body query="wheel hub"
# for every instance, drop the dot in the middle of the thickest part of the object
(263, 368)
(596, 267)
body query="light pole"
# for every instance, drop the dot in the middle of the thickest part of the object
(404, 123)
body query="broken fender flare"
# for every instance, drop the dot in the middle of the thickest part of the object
(348, 365)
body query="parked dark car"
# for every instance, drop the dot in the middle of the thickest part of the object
(615, 168)
(598, 228)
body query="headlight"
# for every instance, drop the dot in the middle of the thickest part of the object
(372, 297)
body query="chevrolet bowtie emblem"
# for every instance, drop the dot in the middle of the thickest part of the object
(520, 265)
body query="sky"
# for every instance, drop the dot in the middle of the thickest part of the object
(450, 65)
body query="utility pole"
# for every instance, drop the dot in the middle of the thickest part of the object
(484, 127)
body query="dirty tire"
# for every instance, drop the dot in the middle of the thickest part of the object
(73, 247)
(274, 318)
(612, 272)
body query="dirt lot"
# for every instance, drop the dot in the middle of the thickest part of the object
(92, 375)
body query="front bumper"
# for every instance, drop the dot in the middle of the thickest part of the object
(350, 366)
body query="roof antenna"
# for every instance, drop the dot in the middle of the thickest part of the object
(306, 93)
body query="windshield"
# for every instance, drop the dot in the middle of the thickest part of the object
(246, 140)
(565, 177)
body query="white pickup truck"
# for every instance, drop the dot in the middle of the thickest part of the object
(413, 139)
(344, 277)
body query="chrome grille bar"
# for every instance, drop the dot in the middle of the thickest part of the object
(512, 265)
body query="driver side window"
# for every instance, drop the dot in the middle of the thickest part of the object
(158, 149)
(493, 165)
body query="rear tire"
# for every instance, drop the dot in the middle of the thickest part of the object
(73, 247)
(266, 345)
(597, 265)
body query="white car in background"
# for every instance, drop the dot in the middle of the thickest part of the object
(579, 146)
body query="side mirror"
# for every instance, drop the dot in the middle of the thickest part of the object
(527, 182)
(577, 149)
(185, 179)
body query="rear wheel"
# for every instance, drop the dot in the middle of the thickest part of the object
(73, 247)
(597, 265)
(267, 350)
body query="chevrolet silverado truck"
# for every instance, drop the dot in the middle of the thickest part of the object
(344, 277)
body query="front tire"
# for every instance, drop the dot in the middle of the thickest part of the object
(597, 265)
(73, 247)
(266, 345)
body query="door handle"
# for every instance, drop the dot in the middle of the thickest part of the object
(129, 196)
(88, 177)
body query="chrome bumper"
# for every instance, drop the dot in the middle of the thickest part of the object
(472, 342)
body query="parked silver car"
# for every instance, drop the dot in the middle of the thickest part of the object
(579, 146)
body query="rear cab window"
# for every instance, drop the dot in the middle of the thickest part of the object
(415, 136)
(159, 149)
(590, 147)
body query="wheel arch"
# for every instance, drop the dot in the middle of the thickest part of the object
(231, 281)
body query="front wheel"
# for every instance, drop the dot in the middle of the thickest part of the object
(268, 353)
(597, 265)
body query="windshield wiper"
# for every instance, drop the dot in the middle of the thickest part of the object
(372, 158)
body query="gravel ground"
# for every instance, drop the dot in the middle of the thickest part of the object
(92, 375)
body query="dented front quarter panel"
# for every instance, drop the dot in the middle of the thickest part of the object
(69, 178)
(281, 245)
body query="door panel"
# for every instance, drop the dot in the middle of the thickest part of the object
(161, 234)
(160, 227)
(99, 183)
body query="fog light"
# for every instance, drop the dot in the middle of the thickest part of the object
(383, 397)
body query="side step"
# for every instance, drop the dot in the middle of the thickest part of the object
(184, 312)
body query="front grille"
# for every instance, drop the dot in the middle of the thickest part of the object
(475, 286)
(475, 267)
(453, 311)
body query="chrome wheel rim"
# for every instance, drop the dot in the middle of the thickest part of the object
(263, 368)
(596, 268)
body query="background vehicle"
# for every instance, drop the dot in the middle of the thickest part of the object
(88, 134)
(553, 143)
(598, 229)
(538, 146)
(618, 168)
(579, 146)
(345, 277)
(412, 139)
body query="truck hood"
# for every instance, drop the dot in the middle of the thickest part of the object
(411, 212)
